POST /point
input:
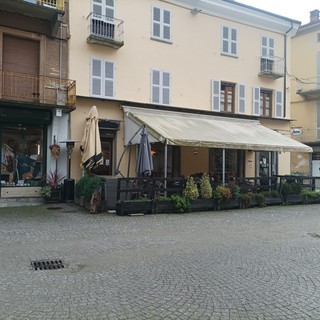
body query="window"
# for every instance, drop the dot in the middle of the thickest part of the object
(229, 41)
(102, 78)
(161, 24)
(265, 103)
(160, 87)
(102, 22)
(267, 54)
(224, 97)
(227, 97)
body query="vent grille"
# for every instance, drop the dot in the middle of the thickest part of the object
(47, 264)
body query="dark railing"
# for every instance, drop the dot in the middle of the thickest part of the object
(22, 87)
(151, 188)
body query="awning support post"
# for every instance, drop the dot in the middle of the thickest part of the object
(223, 166)
(165, 166)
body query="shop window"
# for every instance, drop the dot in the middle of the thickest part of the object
(21, 156)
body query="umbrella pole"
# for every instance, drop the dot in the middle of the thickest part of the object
(165, 167)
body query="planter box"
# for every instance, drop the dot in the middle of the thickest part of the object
(228, 204)
(164, 207)
(293, 199)
(127, 207)
(202, 204)
(311, 200)
(273, 201)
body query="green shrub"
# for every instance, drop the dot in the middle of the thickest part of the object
(86, 185)
(246, 199)
(182, 204)
(311, 194)
(261, 200)
(289, 188)
(191, 190)
(221, 193)
(235, 191)
(205, 187)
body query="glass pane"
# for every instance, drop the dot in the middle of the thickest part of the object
(22, 155)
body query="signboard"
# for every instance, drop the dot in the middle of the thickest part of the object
(296, 132)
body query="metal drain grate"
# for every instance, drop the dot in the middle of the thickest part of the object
(47, 264)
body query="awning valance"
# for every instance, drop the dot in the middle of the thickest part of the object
(198, 130)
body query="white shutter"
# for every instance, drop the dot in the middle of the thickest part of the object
(108, 79)
(97, 8)
(166, 88)
(241, 98)
(233, 41)
(225, 39)
(256, 101)
(156, 22)
(279, 104)
(166, 25)
(215, 95)
(109, 8)
(155, 86)
(96, 77)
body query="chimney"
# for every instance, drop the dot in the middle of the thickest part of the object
(314, 15)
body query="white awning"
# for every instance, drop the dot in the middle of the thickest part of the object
(189, 129)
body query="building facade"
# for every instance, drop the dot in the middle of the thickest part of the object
(305, 93)
(36, 96)
(204, 80)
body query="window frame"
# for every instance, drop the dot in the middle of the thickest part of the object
(103, 79)
(161, 86)
(266, 96)
(162, 24)
(229, 41)
(227, 90)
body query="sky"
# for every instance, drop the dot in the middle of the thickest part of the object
(294, 9)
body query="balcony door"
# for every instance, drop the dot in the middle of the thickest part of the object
(21, 58)
(102, 22)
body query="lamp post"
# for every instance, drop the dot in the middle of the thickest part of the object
(69, 183)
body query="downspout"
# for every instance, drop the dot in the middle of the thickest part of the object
(285, 73)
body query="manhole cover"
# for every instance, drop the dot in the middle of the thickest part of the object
(47, 264)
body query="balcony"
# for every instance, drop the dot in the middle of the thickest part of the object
(49, 11)
(34, 90)
(271, 67)
(309, 88)
(105, 31)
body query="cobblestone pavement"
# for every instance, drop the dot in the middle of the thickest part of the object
(259, 264)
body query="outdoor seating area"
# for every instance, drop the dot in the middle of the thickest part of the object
(148, 194)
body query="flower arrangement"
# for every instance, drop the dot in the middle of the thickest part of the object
(55, 150)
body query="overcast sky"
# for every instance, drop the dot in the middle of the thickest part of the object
(294, 9)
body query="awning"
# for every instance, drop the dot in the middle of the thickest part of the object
(198, 130)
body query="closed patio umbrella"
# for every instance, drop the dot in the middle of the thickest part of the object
(91, 144)
(144, 164)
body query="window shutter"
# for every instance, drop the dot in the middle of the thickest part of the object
(233, 41)
(242, 98)
(109, 79)
(215, 100)
(166, 88)
(271, 47)
(96, 77)
(225, 41)
(166, 25)
(279, 104)
(156, 20)
(155, 87)
(264, 47)
(256, 101)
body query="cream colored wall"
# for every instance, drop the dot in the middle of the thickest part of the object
(193, 58)
(190, 161)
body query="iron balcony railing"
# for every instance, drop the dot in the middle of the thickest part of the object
(37, 89)
(55, 4)
(309, 87)
(271, 66)
(105, 30)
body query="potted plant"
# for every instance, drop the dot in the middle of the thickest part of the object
(51, 190)
(224, 199)
(291, 193)
(311, 197)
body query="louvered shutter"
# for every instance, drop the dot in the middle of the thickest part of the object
(155, 90)
(156, 22)
(96, 77)
(215, 100)
(165, 87)
(256, 101)
(233, 41)
(97, 8)
(242, 98)
(166, 25)
(108, 79)
(279, 104)
(225, 39)
(264, 47)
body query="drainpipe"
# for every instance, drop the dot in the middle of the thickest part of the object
(285, 73)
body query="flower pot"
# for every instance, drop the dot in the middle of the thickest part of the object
(202, 204)
(127, 207)
(55, 196)
(228, 204)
